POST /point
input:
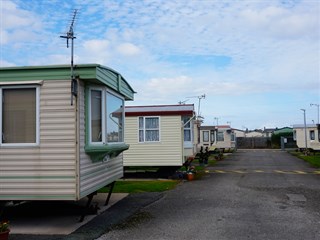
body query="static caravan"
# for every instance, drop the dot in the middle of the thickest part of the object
(312, 132)
(160, 135)
(52, 148)
(217, 137)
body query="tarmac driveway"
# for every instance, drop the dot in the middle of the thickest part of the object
(261, 194)
(253, 194)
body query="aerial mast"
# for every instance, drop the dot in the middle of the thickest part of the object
(199, 98)
(70, 36)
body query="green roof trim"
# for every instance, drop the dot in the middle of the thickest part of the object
(94, 73)
(99, 152)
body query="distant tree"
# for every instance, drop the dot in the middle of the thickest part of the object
(276, 138)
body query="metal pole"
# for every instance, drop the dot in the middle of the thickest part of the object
(217, 120)
(199, 107)
(317, 105)
(305, 128)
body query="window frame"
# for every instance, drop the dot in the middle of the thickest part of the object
(37, 142)
(208, 136)
(104, 105)
(222, 133)
(144, 129)
(233, 137)
(312, 135)
(186, 119)
(123, 114)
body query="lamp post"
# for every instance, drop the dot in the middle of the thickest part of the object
(317, 105)
(305, 128)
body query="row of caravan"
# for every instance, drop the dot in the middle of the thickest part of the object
(64, 143)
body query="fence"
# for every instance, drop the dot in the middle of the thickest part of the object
(253, 142)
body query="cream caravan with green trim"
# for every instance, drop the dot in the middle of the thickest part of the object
(51, 149)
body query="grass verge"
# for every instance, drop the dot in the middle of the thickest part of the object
(142, 186)
(313, 159)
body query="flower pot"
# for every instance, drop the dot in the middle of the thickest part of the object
(190, 176)
(4, 235)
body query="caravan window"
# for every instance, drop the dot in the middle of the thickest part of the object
(96, 115)
(233, 137)
(187, 129)
(106, 116)
(312, 135)
(212, 136)
(206, 136)
(19, 116)
(114, 118)
(220, 136)
(149, 129)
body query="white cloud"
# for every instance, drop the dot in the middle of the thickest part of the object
(128, 49)
(272, 46)
(6, 64)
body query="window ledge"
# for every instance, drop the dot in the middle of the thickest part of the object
(105, 151)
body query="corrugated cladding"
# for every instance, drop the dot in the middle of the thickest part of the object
(46, 171)
(167, 152)
(94, 175)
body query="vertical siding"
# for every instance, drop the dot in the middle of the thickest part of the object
(94, 175)
(167, 152)
(46, 171)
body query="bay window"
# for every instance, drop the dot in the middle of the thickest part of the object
(105, 117)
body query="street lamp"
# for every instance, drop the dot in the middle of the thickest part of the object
(305, 128)
(317, 105)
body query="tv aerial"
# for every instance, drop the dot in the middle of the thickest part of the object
(70, 36)
(199, 97)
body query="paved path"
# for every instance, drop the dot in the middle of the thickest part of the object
(260, 194)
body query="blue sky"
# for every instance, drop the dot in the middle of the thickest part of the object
(257, 62)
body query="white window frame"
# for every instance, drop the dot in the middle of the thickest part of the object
(123, 113)
(104, 92)
(144, 129)
(233, 137)
(207, 132)
(190, 128)
(103, 108)
(37, 142)
(212, 136)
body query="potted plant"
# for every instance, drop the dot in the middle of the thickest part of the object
(190, 173)
(4, 230)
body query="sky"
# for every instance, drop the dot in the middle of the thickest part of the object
(256, 62)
